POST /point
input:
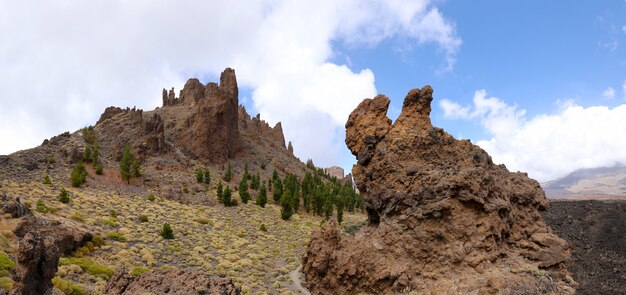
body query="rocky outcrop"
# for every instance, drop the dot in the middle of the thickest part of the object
(66, 238)
(37, 263)
(443, 218)
(14, 207)
(109, 113)
(170, 282)
(290, 147)
(210, 130)
(155, 135)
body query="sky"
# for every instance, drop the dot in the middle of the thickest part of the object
(540, 85)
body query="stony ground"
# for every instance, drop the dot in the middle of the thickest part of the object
(214, 239)
(595, 231)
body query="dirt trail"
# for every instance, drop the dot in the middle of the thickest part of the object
(296, 278)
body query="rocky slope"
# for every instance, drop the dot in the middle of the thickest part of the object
(443, 218)
(595, 231)
(596, 183)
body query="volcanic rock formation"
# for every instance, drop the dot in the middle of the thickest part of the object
(170, 282)
(443, 219)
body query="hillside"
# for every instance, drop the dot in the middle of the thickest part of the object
(203, 128)
(596, 183)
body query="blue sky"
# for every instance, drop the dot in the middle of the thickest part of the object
(540, 85)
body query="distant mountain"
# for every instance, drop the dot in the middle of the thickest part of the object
(603, 182)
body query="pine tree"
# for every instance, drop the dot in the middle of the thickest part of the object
(286, 210)
(95, 154)
(64, 197)
(207, 176)
(243, 191)
(167, 232)
(79, 175)
(87, 154)
(261, 199)
(229, 173)
(278, 190)
(220, 192)
(199, 175)
(255, 182)
(46, 180)
(227, 197)
(246, 174)
(127, 163)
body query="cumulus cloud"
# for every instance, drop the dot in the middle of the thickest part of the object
(547, 146)
(609, 93)
(64, 61)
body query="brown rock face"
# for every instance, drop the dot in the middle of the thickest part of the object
(170, 282)
(66, 238)
(210, 130)
(37, 263)
(442, 217)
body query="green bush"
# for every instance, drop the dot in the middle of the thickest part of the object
(87, 154)
(227, 199)
(207, 176)
(79, 175)
(41, 207)
(263, 228)
(99, 169)
(243, 191)
(151, 198)
(167, 232)
(203, 220)
(129, 165)
(52, 160)
(46, 180)
(92, 268)
(64, 196)
(68, 288)
(143, 218)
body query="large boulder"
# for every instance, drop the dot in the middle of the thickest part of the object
(443, 218)
(66, 238)
(173, 282)
(37, 263)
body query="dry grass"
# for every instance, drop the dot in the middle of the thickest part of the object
(216, 240)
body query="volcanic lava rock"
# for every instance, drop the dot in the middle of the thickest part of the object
(443, 219)
(170, 282)
(66, 238)
(37, 263)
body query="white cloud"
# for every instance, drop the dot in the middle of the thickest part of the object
(624, 29)
(550, 145)
(609, 93)
(624, 88)
(64, 61)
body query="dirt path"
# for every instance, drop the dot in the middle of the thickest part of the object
(296, 278)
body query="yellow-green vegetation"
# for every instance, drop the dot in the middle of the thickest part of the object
(95, 269)
(138, 270)
(6, 283)
(68, 288)
(6, 264)
(229, 243)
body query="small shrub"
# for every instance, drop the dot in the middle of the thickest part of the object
(139, 270)
(263, 228)
(6, 283)
(203, 220)
(113, 213)
(98, 241)
(143, 218)
(68, 287)
(99, 169)
(263, 166)
(151, 198)
(167, 232)
(41, 207)
(77, 217)
(64, 196)
(52, 160)
(95, 269)
(46, 180)
(229, 173)
(185, 190)
(116, 236)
